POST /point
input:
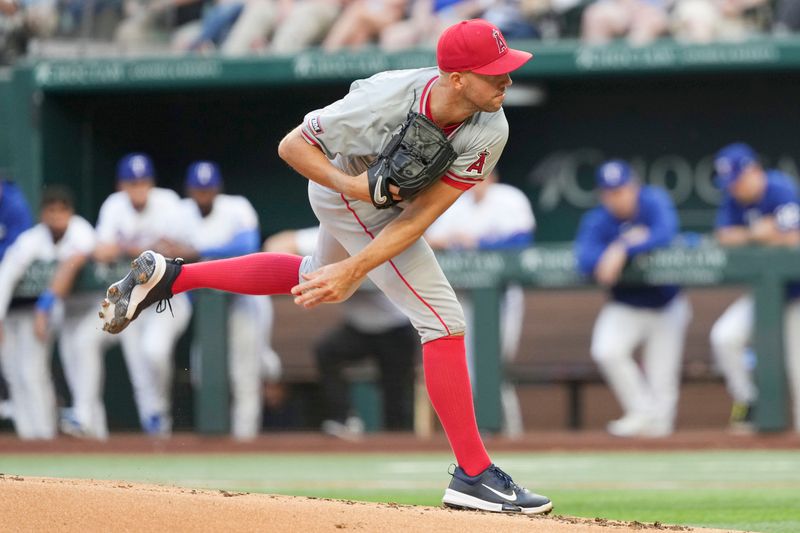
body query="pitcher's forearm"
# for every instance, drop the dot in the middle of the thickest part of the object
(312, 163)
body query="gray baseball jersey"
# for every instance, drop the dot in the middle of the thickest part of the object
(353, 130)
(351, 133)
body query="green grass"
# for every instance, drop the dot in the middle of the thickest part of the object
(744, 490)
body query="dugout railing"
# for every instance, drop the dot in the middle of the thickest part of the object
(545, 267)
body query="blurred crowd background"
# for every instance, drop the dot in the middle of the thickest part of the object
(57, 28)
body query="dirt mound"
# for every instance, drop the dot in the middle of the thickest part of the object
(67, 505)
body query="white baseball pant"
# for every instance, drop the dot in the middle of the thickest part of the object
(147, 345)
(730, 336)
(413, 280)
(26, 366)
(653, 389)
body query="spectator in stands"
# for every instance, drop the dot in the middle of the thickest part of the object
(15, 217)
(21, 21)
(362, 22)
(640, 21)
(491, 216)
(427, 20)
(28, 330)
(238, 28)
(705, 21)
(634, 219)
(150, 23)
(373, 329)
(212, 30)
(95, 19)
(786, 17)
(138, 217)
(222, 225)
(759, 207)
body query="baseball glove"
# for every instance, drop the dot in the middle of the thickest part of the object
(415, 157)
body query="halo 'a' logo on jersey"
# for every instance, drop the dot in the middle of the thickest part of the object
(316, 125)
(501, 44)
(477, 166)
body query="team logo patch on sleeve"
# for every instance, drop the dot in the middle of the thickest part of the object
(477, 166)
(315, 125)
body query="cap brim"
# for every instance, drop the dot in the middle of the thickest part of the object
(511, 61)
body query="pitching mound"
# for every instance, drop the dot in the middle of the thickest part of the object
(66, 505)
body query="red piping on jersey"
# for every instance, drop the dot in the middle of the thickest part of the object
(309, 139)
(403, 279)
(425, 107)
(460, 185)
(460, 177)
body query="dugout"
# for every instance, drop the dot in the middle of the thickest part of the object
(667, 107)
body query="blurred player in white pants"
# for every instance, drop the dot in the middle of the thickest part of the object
(142, 216)
(634, 219)
(491, 216)
(28, 332)
(758, 207)
(222, 225)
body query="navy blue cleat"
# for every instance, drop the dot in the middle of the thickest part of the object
(493, 490)
(149, 281)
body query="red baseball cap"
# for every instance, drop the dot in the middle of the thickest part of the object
(477, 46)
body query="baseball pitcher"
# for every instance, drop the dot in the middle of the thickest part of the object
(383, 163)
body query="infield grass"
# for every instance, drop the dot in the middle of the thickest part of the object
(741, 490)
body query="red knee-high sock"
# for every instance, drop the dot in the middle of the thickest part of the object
(447, 380)
(262, 273)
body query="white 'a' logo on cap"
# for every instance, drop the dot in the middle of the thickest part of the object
(138, 165)
(204, 173)
(501, 44)
(613, 174)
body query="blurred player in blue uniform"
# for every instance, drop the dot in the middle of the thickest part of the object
(759, 207)
(634, 219)
(15, 217)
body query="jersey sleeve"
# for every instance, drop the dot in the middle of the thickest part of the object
(106, 229)
(661, 220)
(351, 126)
(18, 258)
(82, 239)
(591, 241)
(513, 223)
(18, 218)
(786, 209)
(177, 227)
(480, 157)
(247, 216)
(728, 214)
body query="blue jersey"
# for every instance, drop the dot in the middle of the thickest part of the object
(599, 228)
(15, 215)
(780, 200)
